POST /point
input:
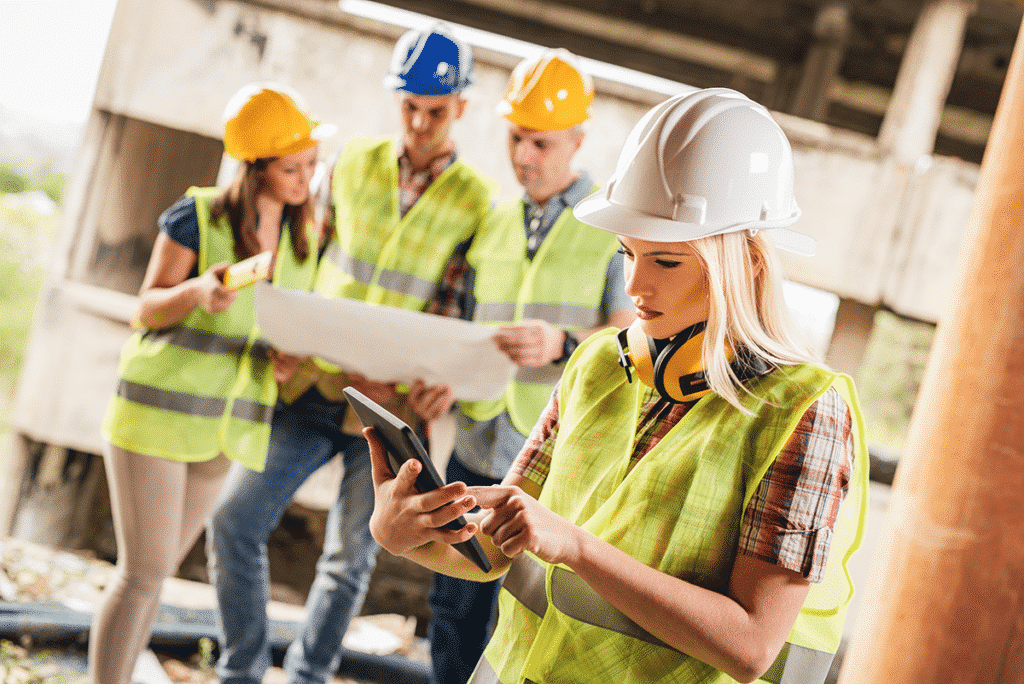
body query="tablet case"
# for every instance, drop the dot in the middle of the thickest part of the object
(402, 444)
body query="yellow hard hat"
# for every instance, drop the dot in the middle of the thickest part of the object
(269, 120)
(548, 93)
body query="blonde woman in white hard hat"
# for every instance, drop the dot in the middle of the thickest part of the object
(196, 389)
(684, 509)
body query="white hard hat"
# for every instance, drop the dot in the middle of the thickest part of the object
(701, 163)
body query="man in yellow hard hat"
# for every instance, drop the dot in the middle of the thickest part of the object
(397, 212)
(547, 281)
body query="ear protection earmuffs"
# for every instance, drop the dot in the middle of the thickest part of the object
(675, 366)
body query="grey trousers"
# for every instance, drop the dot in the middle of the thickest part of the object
(159, 508)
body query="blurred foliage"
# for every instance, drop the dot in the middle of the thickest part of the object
(50, 181)
(16, 667)
(890, 376)
(11, 181)
(25, 240)
(17, 304)
(46, 178)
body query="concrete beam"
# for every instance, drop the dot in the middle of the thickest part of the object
(926, 73)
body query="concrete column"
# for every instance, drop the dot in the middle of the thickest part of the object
(831, 31)
(850, 336)
(13, 461)
(926, 72)
(945, 596)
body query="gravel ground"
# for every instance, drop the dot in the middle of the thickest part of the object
(40, 584)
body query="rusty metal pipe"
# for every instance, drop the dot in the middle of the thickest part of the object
(945, 598)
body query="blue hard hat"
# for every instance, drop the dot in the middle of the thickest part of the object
(430, 61)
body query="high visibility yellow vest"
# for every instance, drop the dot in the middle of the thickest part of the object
(378, 256)
(563, 284)
(204, 386)
(678, 510)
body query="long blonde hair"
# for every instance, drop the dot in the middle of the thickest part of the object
(746, 309)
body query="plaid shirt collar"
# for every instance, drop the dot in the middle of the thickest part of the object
(436, 168)
(553, 208)
(412, 185)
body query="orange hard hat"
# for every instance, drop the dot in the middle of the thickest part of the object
(548, 93)
(269, 120)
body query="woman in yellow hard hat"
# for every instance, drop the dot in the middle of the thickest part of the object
(685, 506)
(196, 386)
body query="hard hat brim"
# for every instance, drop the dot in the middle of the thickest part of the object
(535, 123)
(599, 211)
(401, 85)
(322, 131)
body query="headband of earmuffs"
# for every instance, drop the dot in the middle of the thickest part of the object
(675, 366)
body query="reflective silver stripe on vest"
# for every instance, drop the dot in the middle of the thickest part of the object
(525, 581)
(252, 411)
(201, 340)
(389, 279)
(407, 284)
(192, 404)
(170, 400)
(494, 311)
(563, 315)
(560, 315)
(484, 673)
(574, 597)
(361, 270)
(548, 374)
(798, 665)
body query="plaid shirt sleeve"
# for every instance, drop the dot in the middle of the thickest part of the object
(789, 520)
(534, 461)
(450, 298)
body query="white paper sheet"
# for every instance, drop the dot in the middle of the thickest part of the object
(384, 343)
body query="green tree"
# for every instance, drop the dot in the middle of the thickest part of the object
(11, 181)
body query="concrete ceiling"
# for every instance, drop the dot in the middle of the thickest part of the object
(760, 46)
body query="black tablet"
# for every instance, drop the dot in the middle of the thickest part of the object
(403, 444)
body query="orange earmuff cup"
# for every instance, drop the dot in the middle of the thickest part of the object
(675, 367)
(642, 353)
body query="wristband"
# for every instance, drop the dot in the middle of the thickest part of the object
(569, 344)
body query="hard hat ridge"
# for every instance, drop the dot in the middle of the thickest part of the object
(701, 163)
(430, 61)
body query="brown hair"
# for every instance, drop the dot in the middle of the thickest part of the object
(238, 202)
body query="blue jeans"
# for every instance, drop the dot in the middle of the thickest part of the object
(463, 611)
(304, 436)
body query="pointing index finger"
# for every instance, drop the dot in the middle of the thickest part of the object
(489, 497)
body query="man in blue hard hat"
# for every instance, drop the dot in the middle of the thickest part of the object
(546, 282)
(398, 214)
